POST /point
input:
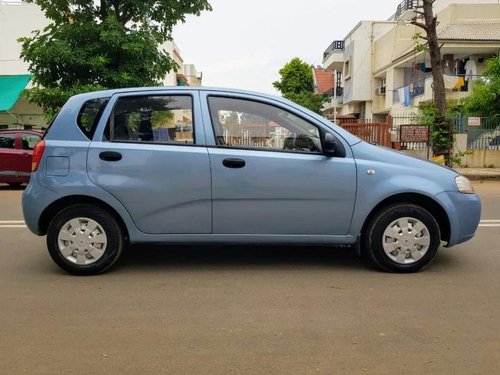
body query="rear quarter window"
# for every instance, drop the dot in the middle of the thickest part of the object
(89, 115)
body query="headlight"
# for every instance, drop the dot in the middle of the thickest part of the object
(464, 185)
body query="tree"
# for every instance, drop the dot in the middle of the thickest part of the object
(485, 96)
(297, 85)
(442, 135)
(91, 45)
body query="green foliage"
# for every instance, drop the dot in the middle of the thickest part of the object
(297, 85)
(457, 159)
(309, 100)
(93, 45)
(419, 46)
(485, 95)
(441, 134)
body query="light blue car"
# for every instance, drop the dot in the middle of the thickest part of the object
(201, 165)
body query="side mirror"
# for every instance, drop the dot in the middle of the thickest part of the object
(332, 146)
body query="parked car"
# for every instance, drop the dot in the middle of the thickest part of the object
(495, 142)
(489, 140)
(16, 150)
(201, 165)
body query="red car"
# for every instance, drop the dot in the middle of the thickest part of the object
(16, 151)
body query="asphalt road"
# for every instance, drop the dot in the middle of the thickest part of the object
(188, 310)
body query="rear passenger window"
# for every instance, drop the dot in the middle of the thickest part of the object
(7, 141)
(89, 115)
(156, 119)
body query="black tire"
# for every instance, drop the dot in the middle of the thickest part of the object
(15, 185)
(372, 246)
(109, 253)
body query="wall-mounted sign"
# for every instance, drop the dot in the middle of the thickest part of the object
(414, 133)
(474, 121)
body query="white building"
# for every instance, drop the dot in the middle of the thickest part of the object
(377, 61)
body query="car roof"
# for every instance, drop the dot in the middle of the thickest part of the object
(33, 131)
(111, 92)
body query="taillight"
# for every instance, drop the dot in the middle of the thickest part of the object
(37, 155)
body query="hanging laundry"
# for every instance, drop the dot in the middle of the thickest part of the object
(453, 82)
(470, 70)
(407, 96)
(421, 67)
(401, 94)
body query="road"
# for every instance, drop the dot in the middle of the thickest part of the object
(209, 310)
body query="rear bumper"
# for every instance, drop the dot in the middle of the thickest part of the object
(35, 200)
(464, 213)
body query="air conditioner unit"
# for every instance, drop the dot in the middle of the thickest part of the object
(380, 91)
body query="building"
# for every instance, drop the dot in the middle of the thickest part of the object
(14, 71)
(379, 71)
(15, 110)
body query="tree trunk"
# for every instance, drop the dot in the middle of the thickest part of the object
(442, 142)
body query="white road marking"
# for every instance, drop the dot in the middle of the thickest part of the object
(489, 223)
(12, 224)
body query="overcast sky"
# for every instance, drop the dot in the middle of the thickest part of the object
(243, 44)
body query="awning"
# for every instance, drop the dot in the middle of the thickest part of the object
(11, 88)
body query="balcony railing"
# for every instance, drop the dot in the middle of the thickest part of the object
(407, 5)
(336, 45)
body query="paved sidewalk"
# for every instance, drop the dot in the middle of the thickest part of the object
(480, 173)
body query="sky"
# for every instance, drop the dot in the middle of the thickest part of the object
(243, 44)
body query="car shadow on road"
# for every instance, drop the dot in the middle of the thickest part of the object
(139, 258)
(5, 187)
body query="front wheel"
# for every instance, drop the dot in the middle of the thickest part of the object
(401, 238)
(84, 240)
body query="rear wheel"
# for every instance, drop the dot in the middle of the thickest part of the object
(401, 238)
(15, 185)
(84, 240)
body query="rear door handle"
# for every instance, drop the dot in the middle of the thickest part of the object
(233, 163)
(110, 156)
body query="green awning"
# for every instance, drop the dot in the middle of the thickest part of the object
(11, 88)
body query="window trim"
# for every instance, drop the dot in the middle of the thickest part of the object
(321, 131)
(86, 133)
(164, 143)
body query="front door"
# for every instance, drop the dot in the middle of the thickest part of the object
(269, 175)
(148, 159)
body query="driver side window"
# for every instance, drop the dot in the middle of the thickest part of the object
(244, 123)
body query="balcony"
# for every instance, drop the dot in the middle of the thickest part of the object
(405, 9)
(337, 45)
(333, 57)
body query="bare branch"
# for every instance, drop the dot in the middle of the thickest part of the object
(420, 24)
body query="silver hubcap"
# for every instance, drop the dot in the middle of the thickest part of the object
(82, 241)
(406, 240)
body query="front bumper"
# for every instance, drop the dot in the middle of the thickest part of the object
(464, 213)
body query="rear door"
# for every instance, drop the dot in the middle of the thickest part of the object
(9, 156)
(151, 155)
(27, 141)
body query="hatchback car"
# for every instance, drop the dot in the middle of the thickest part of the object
(201, 165)
(16, 151)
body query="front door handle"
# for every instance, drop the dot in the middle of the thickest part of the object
(233, 163)
(110, 156)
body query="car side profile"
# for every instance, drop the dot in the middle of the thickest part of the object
(16, 151)
(203, 165)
